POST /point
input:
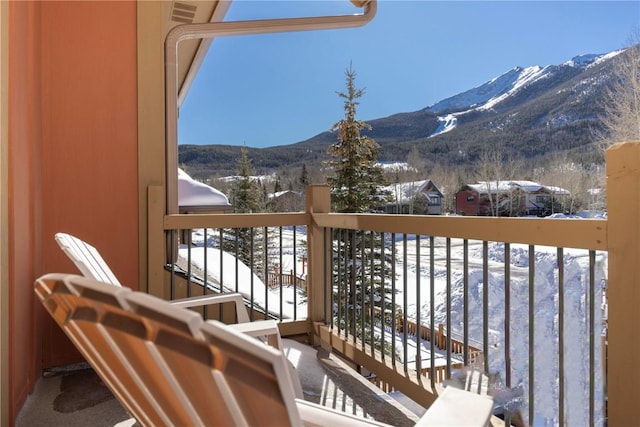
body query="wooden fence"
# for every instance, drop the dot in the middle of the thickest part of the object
(276, 279)
(440, 340)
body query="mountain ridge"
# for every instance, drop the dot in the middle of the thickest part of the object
(530, 111)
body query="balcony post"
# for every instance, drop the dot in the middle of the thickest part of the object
(623, 213)
(318, 201)
(156, 256)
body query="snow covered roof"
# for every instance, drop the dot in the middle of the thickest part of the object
(527, 186)
(197, 196)
(558, 190)
(484, 187)
(403, 192)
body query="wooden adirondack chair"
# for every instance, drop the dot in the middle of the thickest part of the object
(168, 366)
(92, 265)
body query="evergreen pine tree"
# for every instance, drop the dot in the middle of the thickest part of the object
(277, 186)
(245, 196)
(304, 177)
(356, 186)
(360, 271)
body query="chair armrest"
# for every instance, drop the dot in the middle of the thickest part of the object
(260, 328)
(314, 415)
(269, 329)
(456, 407)
(201, 300)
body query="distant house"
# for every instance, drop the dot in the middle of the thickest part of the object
(415, 197)
(509, 198)
(285, 201)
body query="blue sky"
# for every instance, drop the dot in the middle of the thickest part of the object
(278, 89)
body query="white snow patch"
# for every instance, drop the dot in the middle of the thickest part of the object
(445, 124)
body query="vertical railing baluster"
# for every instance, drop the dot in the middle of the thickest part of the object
(394, 322)
(532, 275)
(432, 308)
(265, 270)
(172, 278)
(339, 276)
(187, 234)
(237, 264)
(353, 291)
(251, 264)
(418, 315)
(221, 247)
(448, 320)
(592, 334)
(295, 275)
(383, 299)
(327, 251)
(465, 308)
(280, 270)
(205, 311)
(205, 262)
(335, 275)
(485, 304)
(363, 288)
(372, 302)
(507, 313)
(345, 285)
(404, 305)
(560, 262)
(507, 320)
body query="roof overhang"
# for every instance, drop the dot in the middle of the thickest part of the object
(192, 52)
(177, 79)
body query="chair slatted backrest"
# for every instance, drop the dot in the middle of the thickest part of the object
(80, 320)
(91, 264)
(86, 258)
(165, 364)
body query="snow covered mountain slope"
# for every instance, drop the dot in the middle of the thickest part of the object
(489, 92)
(486, 96)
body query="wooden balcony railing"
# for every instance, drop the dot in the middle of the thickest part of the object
(332, 311)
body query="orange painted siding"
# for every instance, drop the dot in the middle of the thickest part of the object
(90, 153)
(24, 137)
(72, 159)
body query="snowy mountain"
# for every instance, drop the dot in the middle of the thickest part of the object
(498, 89)
(534, 111)
(490, 92)
(488, 95)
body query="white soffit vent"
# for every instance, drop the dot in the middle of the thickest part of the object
(183, 12)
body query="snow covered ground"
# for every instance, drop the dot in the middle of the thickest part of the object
(545, 346)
